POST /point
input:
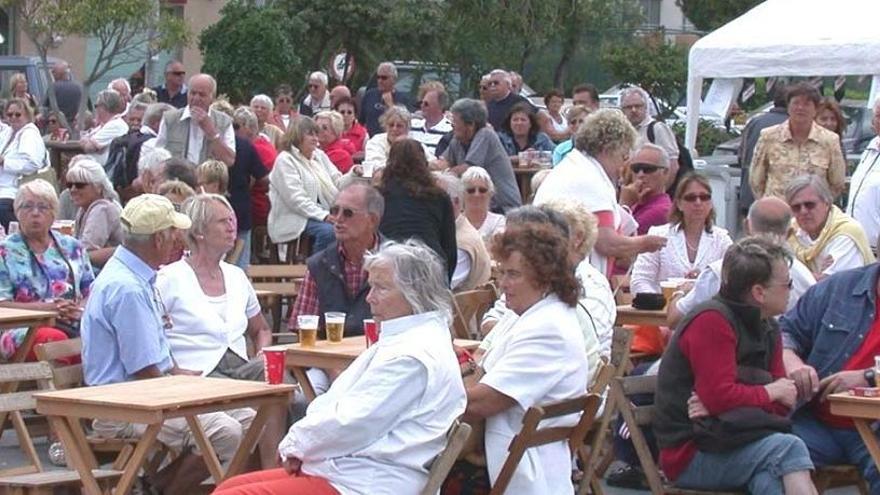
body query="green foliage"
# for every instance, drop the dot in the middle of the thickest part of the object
(708, 136)
(660, 68)
(251, 50)
(708, 15)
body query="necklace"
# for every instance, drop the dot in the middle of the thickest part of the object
(211, 274)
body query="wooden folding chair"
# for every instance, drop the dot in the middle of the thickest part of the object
(455, 439)
(298, 250)
(280, 279)
(828, 477)
(531, 435)
(30, 478)
(470, 306)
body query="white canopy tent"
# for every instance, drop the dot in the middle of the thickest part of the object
(788, 38)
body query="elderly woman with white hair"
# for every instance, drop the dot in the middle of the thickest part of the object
(396, 123)
(330, 129)
(109, 125)
(318, 98)
(386, 416)
(263, 107)
(42, 270)
(23, 152)
(97, 217)
(479, 189)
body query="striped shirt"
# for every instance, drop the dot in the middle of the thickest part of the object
(429, 136)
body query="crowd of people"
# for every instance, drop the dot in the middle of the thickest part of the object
(401, 205)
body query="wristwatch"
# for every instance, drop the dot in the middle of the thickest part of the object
(871, 377)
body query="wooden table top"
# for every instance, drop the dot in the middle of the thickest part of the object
(167, 392)
(844, 404)
(350, 347)
(286, 289)
(15, 316)
(628, 315)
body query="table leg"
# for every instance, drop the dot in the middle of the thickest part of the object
(79, 436)
(868, 437)
(304, 383)
(208, 454)
(18, 357)
(250, 439)
(133, 466)
(76, 455)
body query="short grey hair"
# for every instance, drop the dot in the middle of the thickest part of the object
(635, 90)
(39, 189)
(475, 173)
(418, 273)
(264, 99)
(453, 187)
(119, 80)
(211, 81)
(245, 117)
(154, 113)
(111, 100)
(199, 209)
(390, 67)
(138, 106)
(91, 172)
(375, 202)
(335, 118)
(505, 75)
(664, 156)
(802, 182)
(153, 161)
(320, 76)
(147, 97)
(471, 112)
(396, 112)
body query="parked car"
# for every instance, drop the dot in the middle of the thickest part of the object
(411, 75)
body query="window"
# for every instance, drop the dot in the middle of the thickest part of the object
(651, 12)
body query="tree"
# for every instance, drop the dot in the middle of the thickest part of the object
(247, 58)
(659, 67)
(709, 15)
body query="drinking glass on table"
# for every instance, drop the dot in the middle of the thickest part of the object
(335, 324)
(308, 330)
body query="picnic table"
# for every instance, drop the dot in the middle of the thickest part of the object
(329, 356)
(524, 180)
(151, 402)
(628, 315)
(863, 411)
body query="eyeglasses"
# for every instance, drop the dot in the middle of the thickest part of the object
(313, 86)
(693, 197)
(643, 168)
(13, 115)
(789, 284)
(346, 212)
(382, 77)
(637, 106)
(472, 190)
(77, 185)
(177, 72)
(40, 207)
(806, 205)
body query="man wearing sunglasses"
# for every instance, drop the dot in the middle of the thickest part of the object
(382, 97)
(335, 279)
(318, 98)
(173, 91)
(646, 194)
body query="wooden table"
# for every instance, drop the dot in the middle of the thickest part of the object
(327, 356)
(863, 411)
(151, 402)
(57, 149)
(524, 180)
(628, 315)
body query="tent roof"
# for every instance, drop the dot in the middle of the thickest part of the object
(793, 38)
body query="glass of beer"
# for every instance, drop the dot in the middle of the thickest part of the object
(308, 330)
(669, 287)
(335, 324)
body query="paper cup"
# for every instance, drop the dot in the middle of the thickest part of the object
(371, 332)
(273, 363)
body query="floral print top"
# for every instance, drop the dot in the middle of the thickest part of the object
(26, 276)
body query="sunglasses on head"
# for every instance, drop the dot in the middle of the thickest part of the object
(644, 168)
(472, 190)
(806, 205)
(77, 185)
(346, 212)
(693, 197)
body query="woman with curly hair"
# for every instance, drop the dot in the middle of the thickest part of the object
(415, 206)
(521, 131)
(537, 355)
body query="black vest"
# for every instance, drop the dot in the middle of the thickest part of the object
(755, 343)
(327, 269)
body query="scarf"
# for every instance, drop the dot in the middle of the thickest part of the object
(837, 224)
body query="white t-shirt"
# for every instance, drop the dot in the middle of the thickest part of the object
(535, 359)
(200, 336)
(864, 192)
(104, 135)
(582, 178)
(598, 300)
(843, 250)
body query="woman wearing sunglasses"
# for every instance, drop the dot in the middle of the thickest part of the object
(284, 111)
(353, 131)
(478, 192)
(22, 152)
(97, 216)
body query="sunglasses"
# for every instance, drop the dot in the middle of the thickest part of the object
(643, 168)
(40, 207)
(177, 72)
(77, 185)
(346, 212)
(693, 197)
(15, 115)
(313, 86)
(473, 190)
(806, 205)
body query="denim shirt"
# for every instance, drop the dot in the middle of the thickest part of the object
(832, 319)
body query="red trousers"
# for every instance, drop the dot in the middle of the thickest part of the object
(275, 482)
(49, 334)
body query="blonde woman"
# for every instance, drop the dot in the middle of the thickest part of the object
(213, 177)
(97, 218)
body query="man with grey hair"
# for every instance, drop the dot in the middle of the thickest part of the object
(473, 143)
(769, 217)
(382, 97)
(634, 102)
(864, 190)
(68, 93)
(503, 98)
(429, 125)
(173, 91)
(109, 108)
(150, 125)
(121, 86)
(124, 337)
(196, 132)
(646, 196)
(318, 98)
(336, 279)
(474, 265)
(337, 93)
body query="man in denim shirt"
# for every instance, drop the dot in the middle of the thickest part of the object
(830, 340)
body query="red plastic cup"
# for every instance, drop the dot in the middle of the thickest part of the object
(273, 363)
(371, 332)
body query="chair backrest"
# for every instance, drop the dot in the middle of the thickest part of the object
(470, 306)
(637, 416)
(276, 273)
(63, 375)
(531, 435)
(455, 440)
(621, 340)
(15, 402)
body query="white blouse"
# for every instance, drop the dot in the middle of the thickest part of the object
(672, 261)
